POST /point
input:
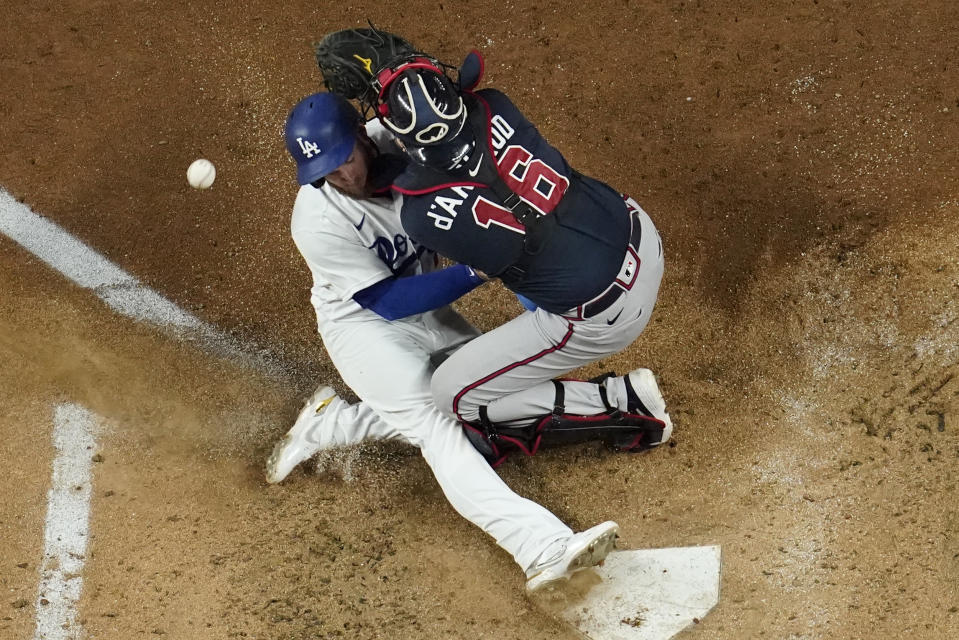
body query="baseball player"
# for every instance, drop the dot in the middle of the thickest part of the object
(487, 190)
(382, 309)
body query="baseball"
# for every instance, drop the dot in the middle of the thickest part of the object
(201, 174)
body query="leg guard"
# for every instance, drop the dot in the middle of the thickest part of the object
(620, 430)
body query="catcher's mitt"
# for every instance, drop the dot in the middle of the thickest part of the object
(350, 60)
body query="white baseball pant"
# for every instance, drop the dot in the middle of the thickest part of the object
(509, 369)
(387, 365)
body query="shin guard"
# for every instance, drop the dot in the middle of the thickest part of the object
(621, 431)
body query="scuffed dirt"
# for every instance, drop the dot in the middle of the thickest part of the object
(799, 159)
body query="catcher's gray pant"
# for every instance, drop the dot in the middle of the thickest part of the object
(509, 369)
(387, 365)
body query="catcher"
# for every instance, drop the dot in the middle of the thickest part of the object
(484, 188)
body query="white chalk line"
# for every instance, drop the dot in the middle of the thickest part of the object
(68, 510)
(118, 289)
(68, 524)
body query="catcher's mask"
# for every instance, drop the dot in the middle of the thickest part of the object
(426, 112)
(320, 135)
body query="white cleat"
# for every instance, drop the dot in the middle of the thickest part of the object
(581, 551)
(641, 385)
(300, 442)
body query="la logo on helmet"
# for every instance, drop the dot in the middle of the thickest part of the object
(308, 148)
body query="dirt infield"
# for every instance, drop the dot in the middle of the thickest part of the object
(799, 159)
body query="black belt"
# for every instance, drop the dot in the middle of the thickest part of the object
(605, 300)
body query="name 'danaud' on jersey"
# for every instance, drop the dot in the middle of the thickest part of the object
(500, 133)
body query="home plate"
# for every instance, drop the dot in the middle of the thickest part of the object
(647, 594)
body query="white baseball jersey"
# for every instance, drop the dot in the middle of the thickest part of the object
(351, 244)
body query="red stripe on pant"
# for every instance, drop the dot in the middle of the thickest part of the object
(544, 352)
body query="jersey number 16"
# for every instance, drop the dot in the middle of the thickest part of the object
(532, 179)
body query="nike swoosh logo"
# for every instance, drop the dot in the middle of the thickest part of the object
(476, 169)
(615, 318)
(360, 225)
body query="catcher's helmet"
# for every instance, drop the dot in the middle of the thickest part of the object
(424, 109)
(320, 135)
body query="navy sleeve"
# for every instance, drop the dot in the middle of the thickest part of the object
(395, 298)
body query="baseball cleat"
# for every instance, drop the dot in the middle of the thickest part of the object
(645, 398)
(581, 551)
(300, 442)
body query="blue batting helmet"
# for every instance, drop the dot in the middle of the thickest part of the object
(320, 135)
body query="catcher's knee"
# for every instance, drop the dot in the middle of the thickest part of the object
(443, 394)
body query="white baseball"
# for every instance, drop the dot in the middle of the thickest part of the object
(201, 174)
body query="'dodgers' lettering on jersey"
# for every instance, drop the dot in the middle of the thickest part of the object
(398, 253)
